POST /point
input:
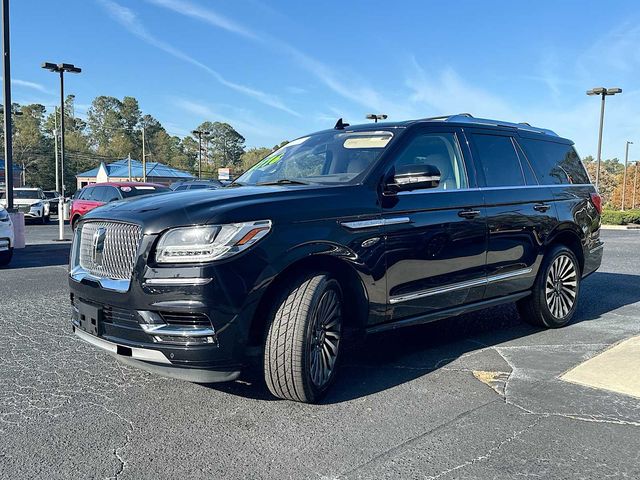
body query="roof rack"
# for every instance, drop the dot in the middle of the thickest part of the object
(470, 119)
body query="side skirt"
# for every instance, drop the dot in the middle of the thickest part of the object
(451, 312)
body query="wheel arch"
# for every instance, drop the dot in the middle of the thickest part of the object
(356, 306)
(569, 236)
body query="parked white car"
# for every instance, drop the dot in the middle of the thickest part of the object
(6, 237)
(30, 201)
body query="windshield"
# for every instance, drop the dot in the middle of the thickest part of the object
(134, 191)
(24, 194)
(334, 157)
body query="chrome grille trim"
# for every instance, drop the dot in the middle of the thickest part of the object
(112, 269)
(121, 242)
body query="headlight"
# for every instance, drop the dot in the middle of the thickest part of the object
(4, 215)
(36, 205)
(209, 242)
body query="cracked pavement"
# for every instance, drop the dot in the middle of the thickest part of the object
(474, 397)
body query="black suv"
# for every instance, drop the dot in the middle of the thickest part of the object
(355, 229)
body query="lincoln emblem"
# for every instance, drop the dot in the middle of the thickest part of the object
(98, 245)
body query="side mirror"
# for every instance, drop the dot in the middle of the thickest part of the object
(414, 177)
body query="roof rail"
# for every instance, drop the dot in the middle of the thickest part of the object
(470, 119)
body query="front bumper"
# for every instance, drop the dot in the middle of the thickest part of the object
(155, 361)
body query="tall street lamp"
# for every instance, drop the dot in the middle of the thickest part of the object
(61, 68)
(6, 80)
(624, 176)
(199, 134)
(635, 184)
(603, 92)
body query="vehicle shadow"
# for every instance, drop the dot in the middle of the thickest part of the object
(386, 360)
(40, 255)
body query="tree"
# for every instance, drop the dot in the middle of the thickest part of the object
(223, 146)
(30, 147)
(252, 156)
(114, 126)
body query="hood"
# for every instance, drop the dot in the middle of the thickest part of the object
(237, 204)
(18, 202)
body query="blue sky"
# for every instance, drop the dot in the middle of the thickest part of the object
(282, 69)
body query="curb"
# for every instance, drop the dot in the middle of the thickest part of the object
(620, 227)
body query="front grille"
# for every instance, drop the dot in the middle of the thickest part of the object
(24, 208)
(109, 249)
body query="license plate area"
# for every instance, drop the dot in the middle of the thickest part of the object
(89, 317)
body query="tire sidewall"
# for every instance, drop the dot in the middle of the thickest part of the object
(548, 318)
(312, 391)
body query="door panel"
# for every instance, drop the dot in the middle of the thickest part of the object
(519, 221)
(520, 213)
(435, 239)
(436, 260)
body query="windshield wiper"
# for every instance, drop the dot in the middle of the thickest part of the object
(284, 181)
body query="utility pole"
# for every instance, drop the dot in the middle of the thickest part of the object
(8, 129)
(129, 158)
(624, 177)
(144, 159)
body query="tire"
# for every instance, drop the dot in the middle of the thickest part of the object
(302, 346)
(44, 219)
(5, 257)
(74, 223)
(555, 293)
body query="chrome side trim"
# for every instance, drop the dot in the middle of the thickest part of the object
(177, 281)
(143, 354)
(504, 276)
(458, 286)
(599, 247)
(377, 222)
(78, 274)
(484, 189)
(438, 290)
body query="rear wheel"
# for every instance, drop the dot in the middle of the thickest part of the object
(303, 341)
(555, 293)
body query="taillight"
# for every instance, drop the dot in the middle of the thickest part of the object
(596, 199)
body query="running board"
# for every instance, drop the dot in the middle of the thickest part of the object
(451, 312)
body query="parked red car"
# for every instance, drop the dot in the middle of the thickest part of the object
(98, 194)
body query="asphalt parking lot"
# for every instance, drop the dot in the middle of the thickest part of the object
(473, 397)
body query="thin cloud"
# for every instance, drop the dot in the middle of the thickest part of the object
(244, 124)
(355, 91)
(30, 85)
(128, 19)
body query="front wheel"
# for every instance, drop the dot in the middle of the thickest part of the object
(554, 298)
(303, 340)
(5, 257)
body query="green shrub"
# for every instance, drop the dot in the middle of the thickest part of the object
(616, 217)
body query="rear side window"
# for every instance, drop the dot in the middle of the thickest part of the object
(554, 163)
(499, 160)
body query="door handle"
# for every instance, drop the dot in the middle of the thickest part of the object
(468, 213)
(541, 207)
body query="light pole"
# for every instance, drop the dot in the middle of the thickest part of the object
(603, 92)
(624, 176)
(635, 184)
(61, 68)
(376, 117)
(6, 80)
(199, 134)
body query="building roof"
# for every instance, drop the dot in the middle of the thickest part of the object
(120, 169)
